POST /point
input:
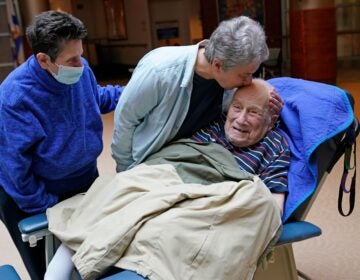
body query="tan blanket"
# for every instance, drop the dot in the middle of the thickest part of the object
(168, 229)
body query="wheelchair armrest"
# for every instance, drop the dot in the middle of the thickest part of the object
(34, 228)
(8, 272)
(296, 231)
(125, 275)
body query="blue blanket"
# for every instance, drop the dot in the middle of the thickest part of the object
(313, 113)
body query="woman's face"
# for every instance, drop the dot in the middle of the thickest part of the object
(235, 77)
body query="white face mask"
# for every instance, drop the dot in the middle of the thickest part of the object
(68, 75)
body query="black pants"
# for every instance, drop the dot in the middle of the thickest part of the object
(33, 258)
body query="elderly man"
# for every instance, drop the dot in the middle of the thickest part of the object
(189, 210)
(248, 133)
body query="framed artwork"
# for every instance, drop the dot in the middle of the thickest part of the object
(167, 33)
(233, 8)
(115, 19)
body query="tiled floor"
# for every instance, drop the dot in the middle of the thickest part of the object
(332, 256)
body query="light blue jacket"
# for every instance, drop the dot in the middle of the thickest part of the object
(154, 104)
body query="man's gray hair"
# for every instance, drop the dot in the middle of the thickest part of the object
(237, 41)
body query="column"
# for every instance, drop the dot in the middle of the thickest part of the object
(313, 40)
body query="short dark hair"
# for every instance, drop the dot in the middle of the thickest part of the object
(50, 29)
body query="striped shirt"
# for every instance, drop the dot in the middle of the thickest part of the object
(269, 159)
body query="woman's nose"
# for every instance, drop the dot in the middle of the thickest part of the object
(77, 62)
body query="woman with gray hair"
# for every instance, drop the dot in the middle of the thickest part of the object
(239, 41)
(176, 90)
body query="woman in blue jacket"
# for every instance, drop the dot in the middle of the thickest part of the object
(50, 127)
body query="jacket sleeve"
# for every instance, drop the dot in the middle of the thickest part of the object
(108, 97)
(19, 132)
(140, 96)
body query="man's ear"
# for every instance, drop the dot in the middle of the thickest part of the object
(217, 64)
(272, 122)
(43, 60)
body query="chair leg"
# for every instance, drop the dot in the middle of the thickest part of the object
(49, 248)
(303, 275)
(283, 266)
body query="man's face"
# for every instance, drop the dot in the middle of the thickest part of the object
(248, 118)
(235, 77)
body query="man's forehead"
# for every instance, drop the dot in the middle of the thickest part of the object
(252, 93)
(260, 102)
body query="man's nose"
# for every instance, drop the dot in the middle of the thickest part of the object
(247, 80)
(241, 116)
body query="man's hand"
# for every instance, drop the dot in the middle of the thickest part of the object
(276, 105)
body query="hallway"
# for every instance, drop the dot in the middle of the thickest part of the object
(331, 256)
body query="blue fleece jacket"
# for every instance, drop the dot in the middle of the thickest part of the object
(50, 134)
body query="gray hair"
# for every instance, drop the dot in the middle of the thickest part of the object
(237, 41)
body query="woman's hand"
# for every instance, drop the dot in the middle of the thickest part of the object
(276, 104)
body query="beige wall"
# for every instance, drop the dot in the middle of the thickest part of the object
(139, 24)
(60, 5)
(140, 18)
